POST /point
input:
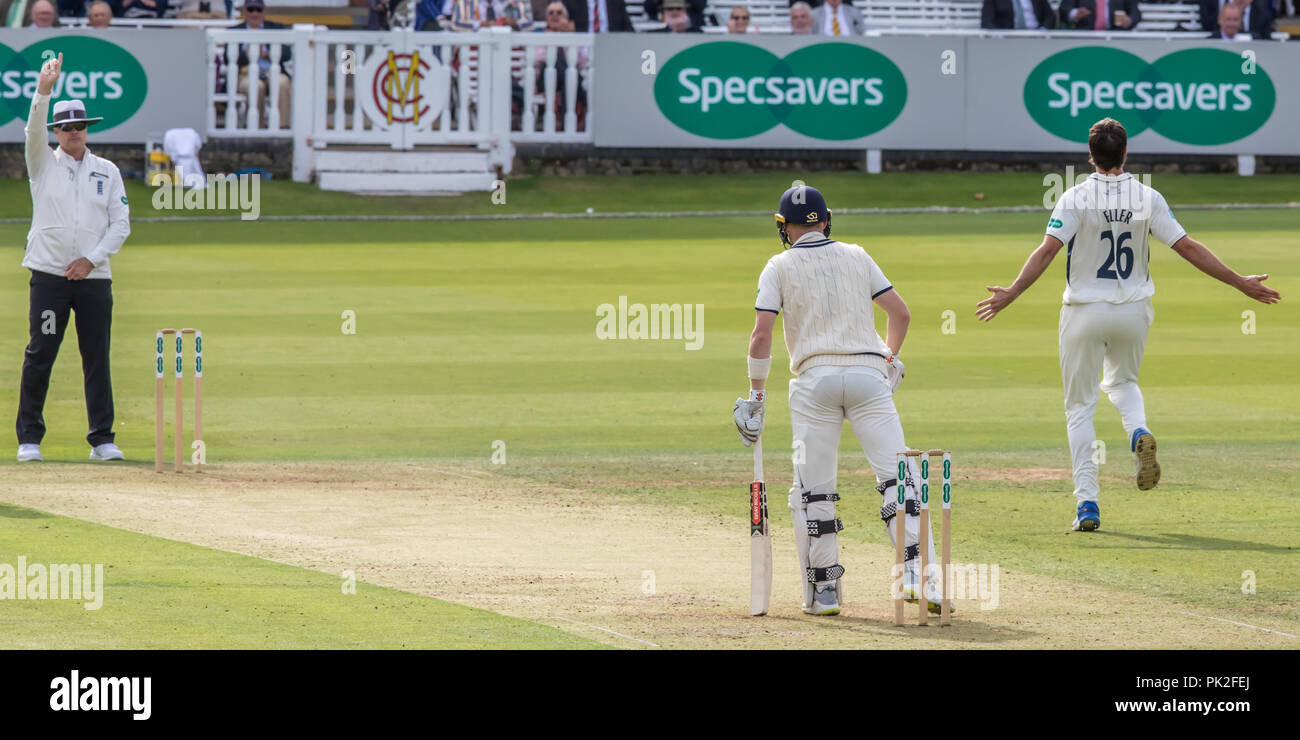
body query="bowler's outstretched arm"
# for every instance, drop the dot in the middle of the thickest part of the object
(1207, 262)
(1034, 268)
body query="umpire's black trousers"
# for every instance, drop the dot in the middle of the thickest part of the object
(52, 299)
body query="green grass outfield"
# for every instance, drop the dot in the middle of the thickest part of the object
(664, 192)
(468, 333)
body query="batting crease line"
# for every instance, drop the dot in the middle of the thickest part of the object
(612, 632)
(1242, 624)
(664, 214)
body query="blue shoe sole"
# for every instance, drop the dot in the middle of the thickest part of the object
(1148, 470)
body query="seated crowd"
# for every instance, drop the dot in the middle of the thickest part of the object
(1226, 19)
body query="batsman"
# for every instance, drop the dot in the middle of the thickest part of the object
(842, 370)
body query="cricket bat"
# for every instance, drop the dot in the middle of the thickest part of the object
(760, 540)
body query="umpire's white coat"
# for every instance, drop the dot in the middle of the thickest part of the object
(79, 209)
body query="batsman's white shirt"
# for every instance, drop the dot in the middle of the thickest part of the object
(825, 288)
(1105, 223)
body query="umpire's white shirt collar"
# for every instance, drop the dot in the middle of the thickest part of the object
(65, 160)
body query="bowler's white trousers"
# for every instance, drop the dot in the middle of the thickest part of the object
(1103, 340)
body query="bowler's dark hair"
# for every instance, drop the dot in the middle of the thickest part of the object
(1107, 142)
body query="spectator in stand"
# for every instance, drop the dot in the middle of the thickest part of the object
(1099, 15)
(72, 8)
(738, 22)
(254, 13)
(676, 18)
(378, 20)
(100, 14)
(599, 16)
(143, 8)
(836, 18)
(801, 19)
(1017, 14)
(427, 15)
(470, 15)
(1229, 22)
(41, 14)
(558, 21)
(202, 9)
(694, 8)
(1256, 16)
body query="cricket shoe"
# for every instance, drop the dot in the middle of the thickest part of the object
(932, 606)
(29, 453)
(826, 602)
(1087, 518)
(1148, 470)
(106, 451)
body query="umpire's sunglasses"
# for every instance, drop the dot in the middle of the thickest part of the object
(79, 126)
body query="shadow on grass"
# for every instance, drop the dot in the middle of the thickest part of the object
(9, 511)
(1193, 542)
(960, 631)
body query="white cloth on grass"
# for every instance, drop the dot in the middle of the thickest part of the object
(182, 145)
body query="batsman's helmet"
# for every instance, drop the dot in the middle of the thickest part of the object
(802, 205)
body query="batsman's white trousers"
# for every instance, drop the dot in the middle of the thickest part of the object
(821, 398)
(1106, 340)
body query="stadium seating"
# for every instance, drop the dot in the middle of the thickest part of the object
(772, 16)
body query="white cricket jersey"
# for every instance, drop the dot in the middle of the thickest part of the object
(1104, 223)
(825, 288)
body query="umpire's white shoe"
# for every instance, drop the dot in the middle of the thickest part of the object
(826, 602)
(106, 451)
(29, 452)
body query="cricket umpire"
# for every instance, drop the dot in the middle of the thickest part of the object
(843, 370)
(80, 218)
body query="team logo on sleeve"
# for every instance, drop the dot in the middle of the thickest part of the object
(1055, 223)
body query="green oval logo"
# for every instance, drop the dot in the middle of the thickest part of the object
(1201, 97)
(1069, 91)
(864, 93)
(732, 90)
(719, 90)
(104, 75)
(1205, 99)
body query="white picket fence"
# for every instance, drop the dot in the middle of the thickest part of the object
(402, 89)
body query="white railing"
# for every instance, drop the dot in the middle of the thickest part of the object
(156, 22)
(229, 95)
(358, 87)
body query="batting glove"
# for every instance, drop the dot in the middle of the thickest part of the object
(749, 417)
(895, 373)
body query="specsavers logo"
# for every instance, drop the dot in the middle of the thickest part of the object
(106, 76)
(1201, 97)
(732, 90)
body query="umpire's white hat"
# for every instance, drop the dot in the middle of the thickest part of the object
(71, 111)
